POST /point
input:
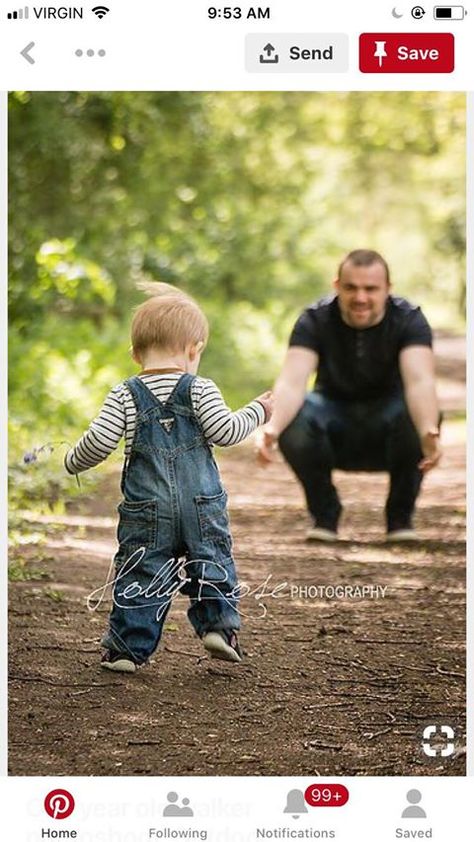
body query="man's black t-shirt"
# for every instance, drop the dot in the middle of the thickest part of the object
(359, 364)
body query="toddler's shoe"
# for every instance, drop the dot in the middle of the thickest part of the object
(223, 644)
(117, 662)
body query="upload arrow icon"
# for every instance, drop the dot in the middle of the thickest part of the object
(271, 56)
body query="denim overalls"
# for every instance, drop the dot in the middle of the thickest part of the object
(174, 506)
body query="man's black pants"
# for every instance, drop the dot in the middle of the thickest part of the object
(373, 435)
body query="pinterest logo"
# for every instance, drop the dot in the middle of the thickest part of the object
(59, 804)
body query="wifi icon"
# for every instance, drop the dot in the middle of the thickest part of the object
(100, 11)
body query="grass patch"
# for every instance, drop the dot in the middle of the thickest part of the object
(54, 595)
(20, 571)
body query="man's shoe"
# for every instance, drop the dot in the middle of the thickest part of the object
(223, 644)
(401, 536)
(318, 533)
(117, 662)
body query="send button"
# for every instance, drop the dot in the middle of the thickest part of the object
(301, 53)
(316, 54)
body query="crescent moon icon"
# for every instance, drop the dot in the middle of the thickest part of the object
(395, 14)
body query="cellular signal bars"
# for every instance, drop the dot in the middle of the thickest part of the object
(21, 14)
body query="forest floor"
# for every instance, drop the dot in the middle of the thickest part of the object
(329, 686)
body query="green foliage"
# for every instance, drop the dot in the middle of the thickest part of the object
(22, 536)
(53, 594)
(247, 200)
(19, 571)
(63, 277)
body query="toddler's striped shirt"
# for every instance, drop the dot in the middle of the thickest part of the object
(117, 418)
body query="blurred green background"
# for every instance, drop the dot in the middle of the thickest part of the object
(246, 200)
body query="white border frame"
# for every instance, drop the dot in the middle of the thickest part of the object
(4, 417)
(3, 432)
(469, 428)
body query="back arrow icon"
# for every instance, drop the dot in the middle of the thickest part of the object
(26, 52)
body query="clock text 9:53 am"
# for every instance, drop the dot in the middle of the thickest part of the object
(236, 12)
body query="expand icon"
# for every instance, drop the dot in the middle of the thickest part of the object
(438, 742)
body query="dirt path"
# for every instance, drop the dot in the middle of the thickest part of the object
(329, 686)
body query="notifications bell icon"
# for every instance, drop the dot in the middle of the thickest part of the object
(295, 803)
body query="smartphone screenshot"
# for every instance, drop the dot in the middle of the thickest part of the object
(235, 318)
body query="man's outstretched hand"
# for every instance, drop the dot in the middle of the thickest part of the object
(431, 451)
(266, 445)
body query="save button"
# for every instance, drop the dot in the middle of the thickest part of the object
(409, 52)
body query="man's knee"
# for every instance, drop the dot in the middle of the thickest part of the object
(296, 440)
(306, 431)
(404, 441)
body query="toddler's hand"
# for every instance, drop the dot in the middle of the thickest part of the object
(267, 401)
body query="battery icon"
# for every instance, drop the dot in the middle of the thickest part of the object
(449, 12)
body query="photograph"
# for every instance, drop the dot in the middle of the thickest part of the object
(237, 400)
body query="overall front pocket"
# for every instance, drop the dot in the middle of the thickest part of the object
(214, 521)
(138, 524)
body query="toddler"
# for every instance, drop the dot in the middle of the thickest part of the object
(174, 505)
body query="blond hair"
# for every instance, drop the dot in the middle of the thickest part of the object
(170, 320)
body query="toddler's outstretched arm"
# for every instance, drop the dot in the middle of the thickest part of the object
(223, 427)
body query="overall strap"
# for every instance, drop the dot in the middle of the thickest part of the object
(143, 397)
(181, 394)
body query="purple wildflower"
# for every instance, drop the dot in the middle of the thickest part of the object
(48, 448)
